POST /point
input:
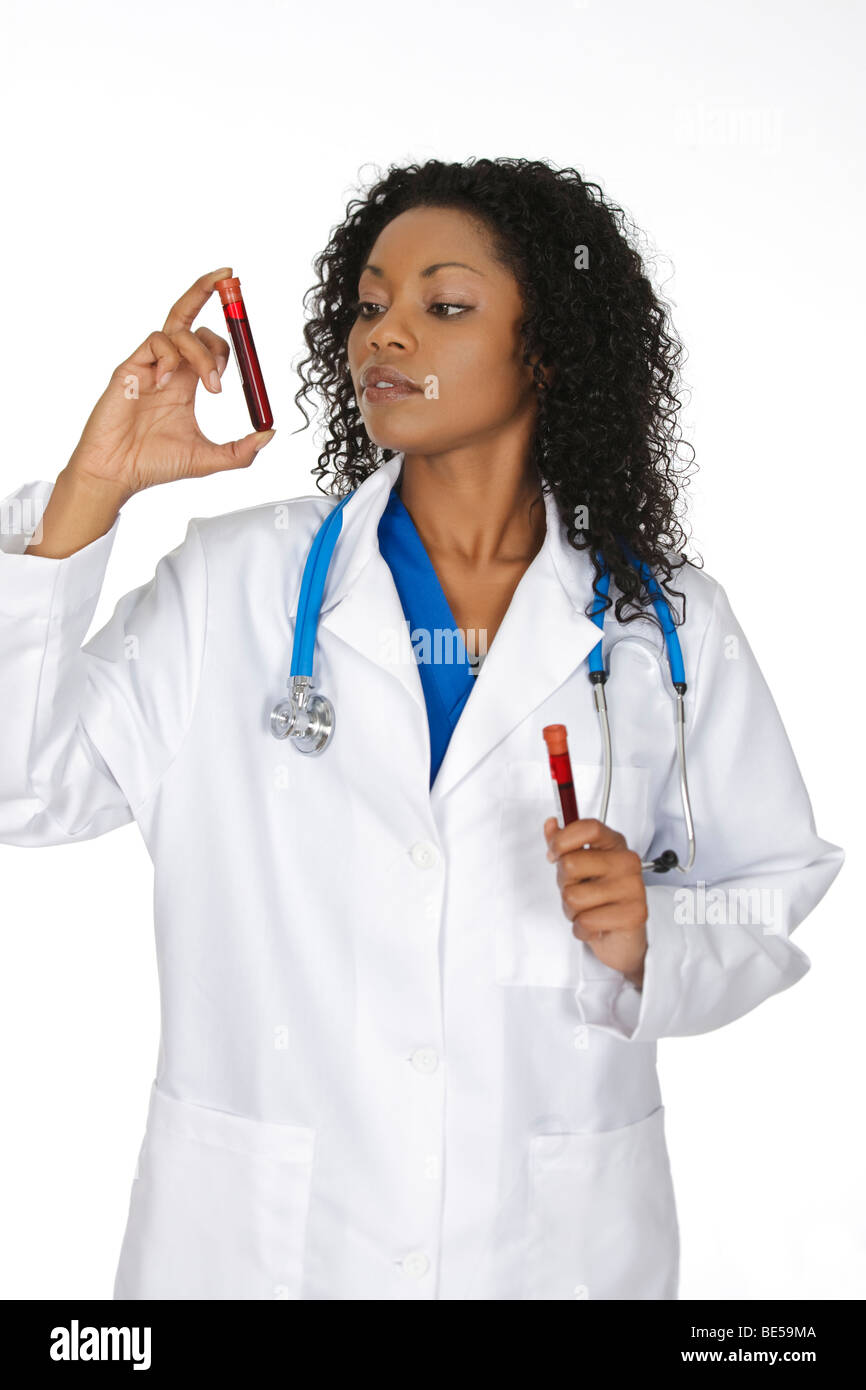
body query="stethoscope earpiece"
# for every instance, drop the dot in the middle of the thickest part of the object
(666, 861)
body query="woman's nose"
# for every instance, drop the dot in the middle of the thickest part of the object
(389, 330)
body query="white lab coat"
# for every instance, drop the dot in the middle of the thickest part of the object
(387, 1069)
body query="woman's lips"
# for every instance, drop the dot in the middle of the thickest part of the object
(377, 394)
(387, 384)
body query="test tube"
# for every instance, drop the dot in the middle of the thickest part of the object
(245, 352)
(556, 738)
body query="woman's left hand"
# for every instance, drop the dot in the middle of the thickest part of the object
(603, 893)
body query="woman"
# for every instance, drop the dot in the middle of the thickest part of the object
(408, 1039)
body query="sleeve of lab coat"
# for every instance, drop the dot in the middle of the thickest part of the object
(719, 936)
(87, 732)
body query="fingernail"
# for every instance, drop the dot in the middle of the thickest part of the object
(164, 379)
(266, 438)
(215, 381)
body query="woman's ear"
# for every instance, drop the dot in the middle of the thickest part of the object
(548, 373)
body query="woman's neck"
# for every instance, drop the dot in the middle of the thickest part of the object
(471, 514)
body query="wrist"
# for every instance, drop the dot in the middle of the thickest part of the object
(104, 493)
(81, 508)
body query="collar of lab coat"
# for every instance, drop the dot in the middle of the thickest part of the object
(544, 636)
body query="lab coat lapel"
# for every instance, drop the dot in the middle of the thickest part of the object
(543, 638)
(360, 603)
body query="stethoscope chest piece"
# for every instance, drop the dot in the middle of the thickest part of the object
(306, 718)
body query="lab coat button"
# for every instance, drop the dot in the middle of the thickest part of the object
(416, 1264)
(423, 854)
(425, 1059)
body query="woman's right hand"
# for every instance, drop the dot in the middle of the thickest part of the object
(142, 430)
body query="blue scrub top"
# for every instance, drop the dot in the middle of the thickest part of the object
(447, 682)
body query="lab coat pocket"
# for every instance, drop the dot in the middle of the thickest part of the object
(218, 1208)
(534, 940)
(602, 1220)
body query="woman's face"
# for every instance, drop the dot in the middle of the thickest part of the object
(453, 329)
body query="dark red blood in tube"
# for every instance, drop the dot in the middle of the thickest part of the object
(245, 352)
(560, 769)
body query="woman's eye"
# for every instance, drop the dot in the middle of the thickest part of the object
(441, 304)
(367, 308)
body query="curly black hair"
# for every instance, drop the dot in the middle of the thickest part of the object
(606, 438)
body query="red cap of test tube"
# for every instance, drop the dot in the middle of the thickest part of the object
(556, 739)
(230, 290)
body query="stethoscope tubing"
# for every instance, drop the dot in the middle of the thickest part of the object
(309, 717)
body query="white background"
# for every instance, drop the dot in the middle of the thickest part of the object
(146, 145)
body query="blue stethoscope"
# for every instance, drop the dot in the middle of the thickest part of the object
(307, 717)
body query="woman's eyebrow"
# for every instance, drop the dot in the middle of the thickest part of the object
(430, 270)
